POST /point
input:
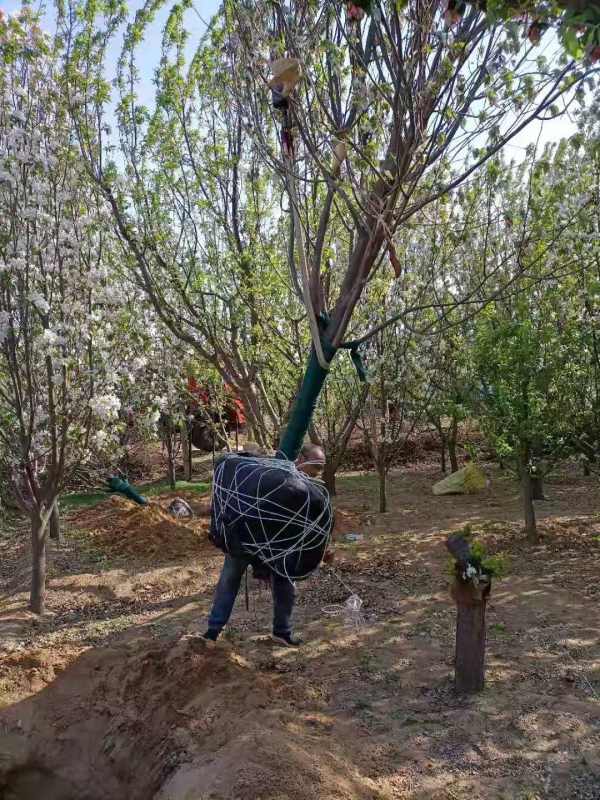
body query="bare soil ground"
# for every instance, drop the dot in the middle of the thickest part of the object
(113, 695)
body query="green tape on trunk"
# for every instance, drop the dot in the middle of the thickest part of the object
(304, 406)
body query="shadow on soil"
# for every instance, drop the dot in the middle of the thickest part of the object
(152, 711)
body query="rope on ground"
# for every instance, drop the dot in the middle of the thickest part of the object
(351, 610)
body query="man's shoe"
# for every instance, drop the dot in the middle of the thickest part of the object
(211, 634)
(287, 639)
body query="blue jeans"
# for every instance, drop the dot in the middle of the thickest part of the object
(282, 589)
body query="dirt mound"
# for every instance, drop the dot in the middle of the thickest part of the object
(171, 719)
(25, 672)
(141, 705)
(124, 529)
(103, 698)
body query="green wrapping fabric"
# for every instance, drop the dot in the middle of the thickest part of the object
(356, 360)
(123, 487)
(306, 401)
(304, 407)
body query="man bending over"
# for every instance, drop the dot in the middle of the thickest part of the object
(310, 461)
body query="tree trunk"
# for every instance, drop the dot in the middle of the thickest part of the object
(443, 453)
(382, 474)
(586, 469)
(254, 434)
(251, 434)
(171, 461)
(313, 435)
(255, 422)
(537, 488)
(186, 447)
(469, 668)
(329, 472)
(37, 598)
(452, 437)
(55, 523)
(333, 459)
(528, 507)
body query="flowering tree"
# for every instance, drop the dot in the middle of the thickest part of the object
(336, 417)
(534, 347)
(361, 115)
(58, 397)
(577, 22)
(198, 219)
(400, 383)
(369, 113)
(166, 379)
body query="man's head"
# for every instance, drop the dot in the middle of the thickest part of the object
(311, 460)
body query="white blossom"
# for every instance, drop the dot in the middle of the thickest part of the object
(139, 363)
(106, 406)
(51, 338)
(40, 302)
(100, 439)
(17, 263)
(4, 325)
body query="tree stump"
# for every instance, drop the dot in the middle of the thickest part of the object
(469, 669)
(470, 591)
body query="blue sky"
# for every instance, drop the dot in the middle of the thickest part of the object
(149, 54)
(203, 10)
